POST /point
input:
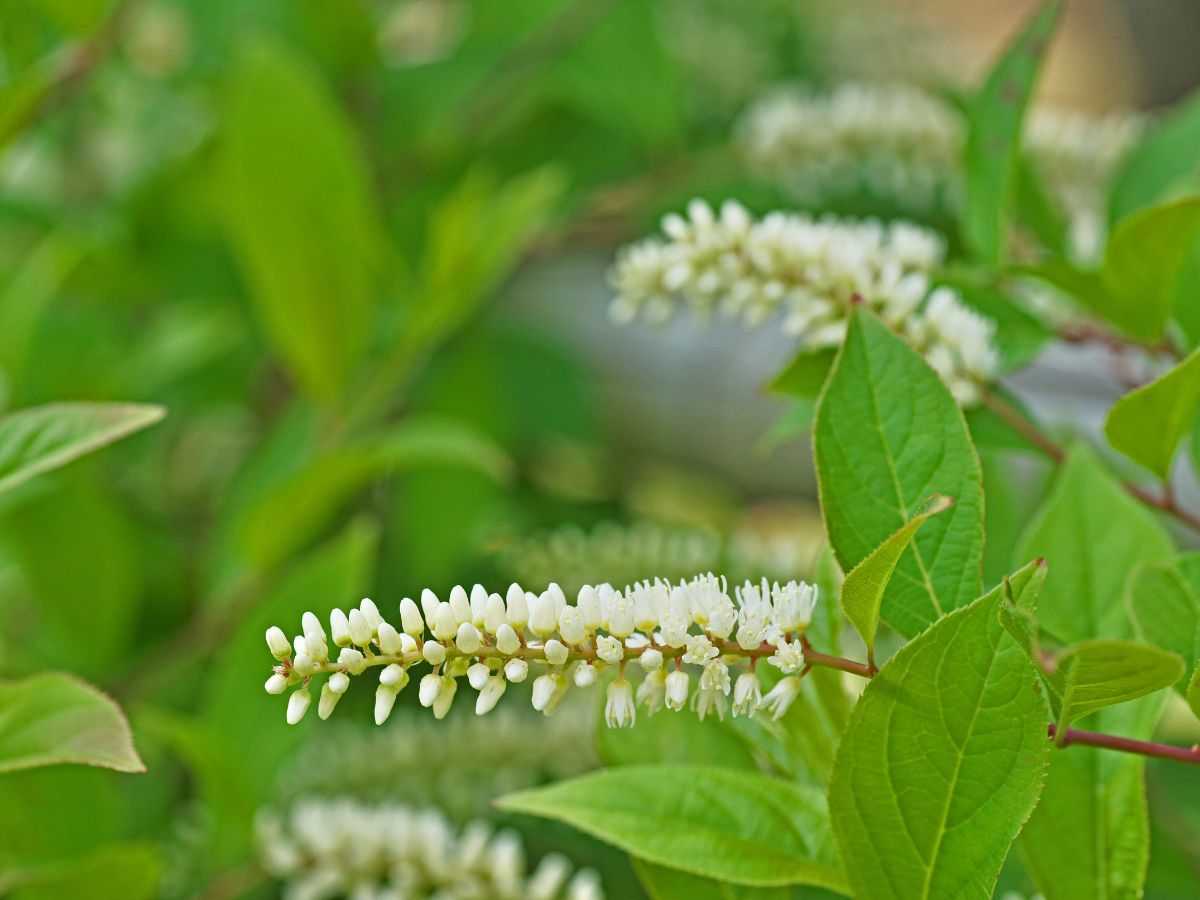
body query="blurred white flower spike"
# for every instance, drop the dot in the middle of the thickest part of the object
(812, 272)
(663, 626)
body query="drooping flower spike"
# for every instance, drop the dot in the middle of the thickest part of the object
(493, 641)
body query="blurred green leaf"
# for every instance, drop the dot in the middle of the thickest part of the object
(862, 591)
(662, 883)
(1099, 673)
(994, 122)
(888, 436)
(294, 510)
(1164, 601)
(126, 870)
(926, 797)
(41, 438)
(54, 718)
(805, 375)
(669, 738)
(1167, 155)
(739, 827)
(300, 214)
(989, 431)
(1148, 424)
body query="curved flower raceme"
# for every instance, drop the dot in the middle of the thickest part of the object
(342, 848)
(812, 271)
(667, 631)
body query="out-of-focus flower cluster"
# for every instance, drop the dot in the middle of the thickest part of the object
(342, 848)
(905, 143)
(458, 765)
(495, 640)
(812, 271)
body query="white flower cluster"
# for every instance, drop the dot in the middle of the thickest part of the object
(890, 140)
(494, 640)
(813, 271)
(342, 848)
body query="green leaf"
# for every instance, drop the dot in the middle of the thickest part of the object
(941, 763)
(126, 870)
(1017, 615)
(1148, 424)
(1090, 559)
(297, 508)
(662, 883)
(1165, 607)
(862, 591)
(994, 123)
(1193, 692)
(669, 738)
(41, 438)
(1167, 155)
(54, 718)
(1099, 673)
(300, 214)
(734, 826)
(805, 375)
(888, 435)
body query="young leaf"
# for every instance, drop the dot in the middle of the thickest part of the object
(1142, 262)
(994, 122)
(1017, 615)
(888, 435)
(1165, 606)
(862, 591)
(1148, 424)
(941, 763)
(1095, 674)
(300, 215)
(41, 438)
(1089, 557)
(54, 718)
(1166, 156)
(740, 827)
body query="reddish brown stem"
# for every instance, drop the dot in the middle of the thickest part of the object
(1189, 755)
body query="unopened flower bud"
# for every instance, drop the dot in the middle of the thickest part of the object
(556, 652)
(430, 687)
(467, 639)
(543, 617)
(389, 639)
(429, 606)
(516, 670)
(360, 629)
(371, 613)
(327, 701)
(339, 627)
(393, 676)
(445, 697)
(276, 684)
(651, 659)
(588, 604)
(278, 644)
(352, 660)
(517, 608)
(298, 705)
(338, 682)
(507, 641)
(478, 675)
(314, 638)
(585, 675)
(490, 695)
(494, 614)
(570, 626)
(385, 699)
(302, 666)
(410, 618)
(544, 687)
(445, 626)
(460, 605)
(479, 599)
(433, 652)
(676, 690)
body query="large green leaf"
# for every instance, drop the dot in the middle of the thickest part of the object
(42, 438)
(126, 870)
(1093, 535)
(1142, 263)
(740, 827)
(300, 215)
(54, 718)
(1167, 155)
(941, 763)
(1148, 424)
(888, 435)
(1165, 605)
(1099, 673)
(662, 883)
(862, 591)
(994, 122)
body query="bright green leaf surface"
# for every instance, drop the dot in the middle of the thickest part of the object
(805, 374)
(42, 438)
(1148, 424)
(1165, 606)
(1167, 155)
(54, 718)
(740, 827)
(941, 763)
(994, 135)
(888, 435)
(662, 883)
(125, 870)
(1097, 673)
(300, 214)
(862, 591)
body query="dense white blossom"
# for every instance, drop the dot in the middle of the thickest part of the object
(659, 624)
(812, 272)
(343, 848)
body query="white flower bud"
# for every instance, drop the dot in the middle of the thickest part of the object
(360, 629)
(277, 643)
(434, 653)
(494, 614)
(585, 675)
(327, 701)
(619, 711)
(467, 639)
(676, 690)
(429, 605)
(352, 660)
(430, 687)
(298, 705)
(314, 638)
(276, 684)
(620, 617)
(518, 608)
(410, 618)
(543, 617)
(549, 877)
(570, 625)
(479, 599)
(489, 696)
(556, 652)
(298, 645)
(507, 641)
(408, 644)
(389, 639)
(371, 613)
(588, 604)
(445, 626)
(385, 699)
(339, 627)
(338, 682)
(557, 596)
(544, 688)
(478, 675)
(302, 666)
(651, 659)
(460, 605)
(516, 670)
(445, 697)
(394, 676)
